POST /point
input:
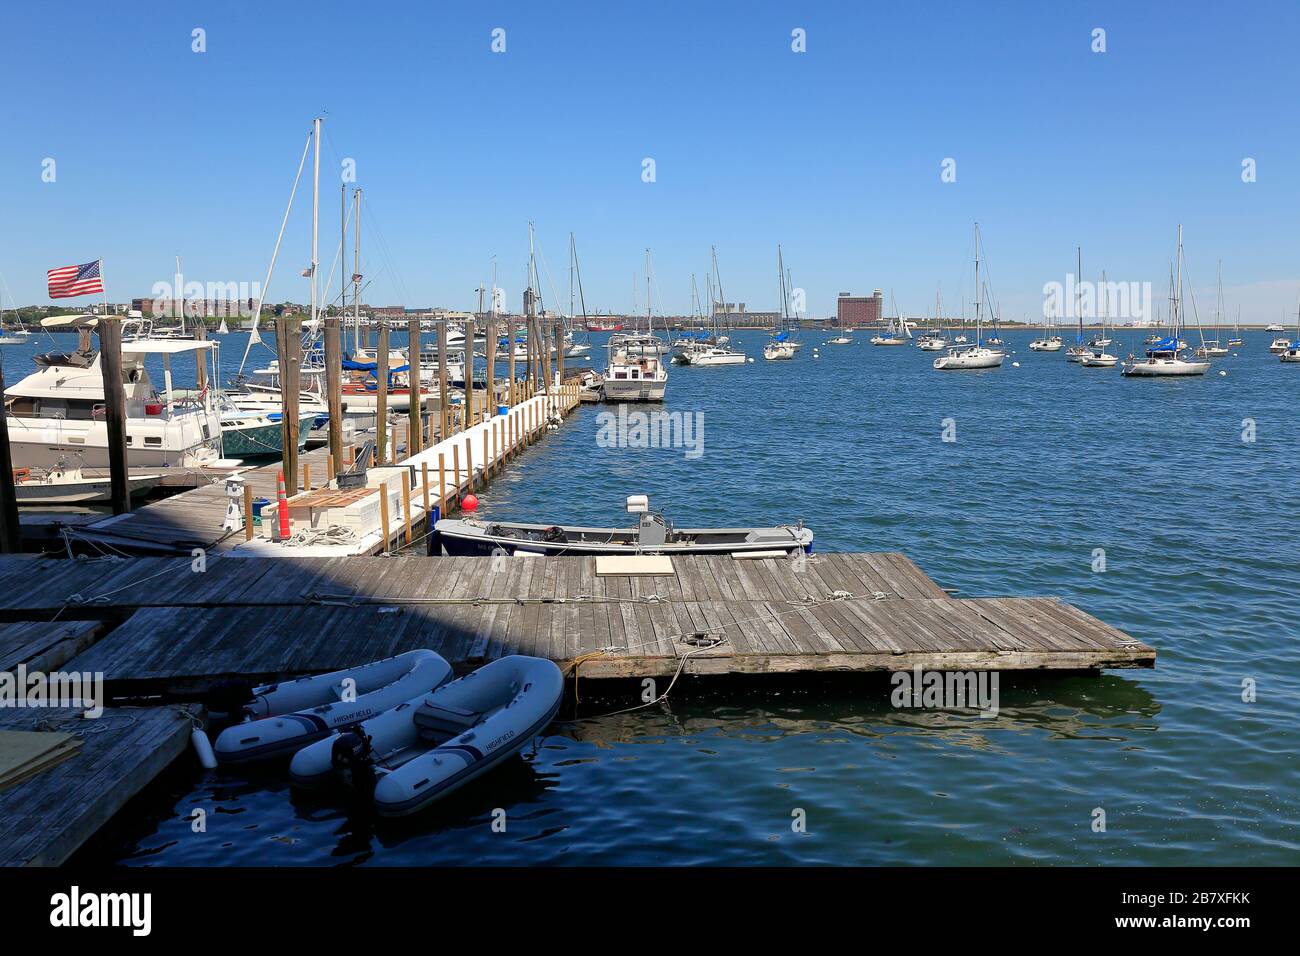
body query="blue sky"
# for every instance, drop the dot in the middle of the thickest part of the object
(835, 153)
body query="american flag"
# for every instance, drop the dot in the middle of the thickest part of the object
(68, 281)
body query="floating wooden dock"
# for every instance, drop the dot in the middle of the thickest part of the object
(44, 819)
(267, 619)
(194, 518)
(154, 627)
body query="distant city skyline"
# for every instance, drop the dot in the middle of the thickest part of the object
(866, 145)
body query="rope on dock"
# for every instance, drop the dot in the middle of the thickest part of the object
(334, 534)
(681, 666)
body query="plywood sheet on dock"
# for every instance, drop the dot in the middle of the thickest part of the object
(45, 818)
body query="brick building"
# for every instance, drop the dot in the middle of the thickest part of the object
(856, 311)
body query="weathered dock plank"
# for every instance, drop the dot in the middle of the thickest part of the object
(157, 582)
(42, 646)
(44, 819)
(186, 650)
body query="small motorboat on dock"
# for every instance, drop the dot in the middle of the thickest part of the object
(279, 719)
(651, 535)
(425, 748)
(64, 485)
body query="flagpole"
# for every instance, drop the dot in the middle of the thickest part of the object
(103, 286)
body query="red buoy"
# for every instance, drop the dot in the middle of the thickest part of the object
(469, 503)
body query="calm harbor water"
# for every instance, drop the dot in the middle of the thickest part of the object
(1050, 462)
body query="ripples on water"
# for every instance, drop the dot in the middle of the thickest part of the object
(1051, 462)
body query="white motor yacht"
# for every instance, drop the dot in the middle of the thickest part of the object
(59, 409)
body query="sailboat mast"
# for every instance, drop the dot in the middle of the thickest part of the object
(1078, 291)
(315, 213)
(356, 269)
(1178, 288)
(343, 258)
(978, 290)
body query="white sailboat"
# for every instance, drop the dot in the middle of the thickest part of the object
(17, 335)
(898, 332)
(1291, 354)
(1165, 358)
(1236, 330)
(934, 340)
(1077, 351)
(1210, 348)
(977, 355)
(1097, 356)
(1048, 341)
(1280, 343)
(573, 348)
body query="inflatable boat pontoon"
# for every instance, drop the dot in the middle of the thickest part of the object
(282, 718)
(425, 748)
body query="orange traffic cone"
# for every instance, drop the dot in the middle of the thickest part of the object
(282, 506)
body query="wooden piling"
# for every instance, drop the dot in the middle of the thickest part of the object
(424, 487)
(329, 468)
(248, 512)
(455, 467)
(381, 408)
(288, 352)
(110, 361)
(406, 510)
(334, 385)
(417, 397)
(383, 512)
(510, 360)
(491, 352)
(470, 414)
(306, 476)
(442, 378)
(442, 482)
(469, 465)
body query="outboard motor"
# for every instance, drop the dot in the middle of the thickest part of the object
(228, 698)
(351, 753)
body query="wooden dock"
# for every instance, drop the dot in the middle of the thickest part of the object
(175, 631)
(194, 518)
(44, 819)
(155, 628)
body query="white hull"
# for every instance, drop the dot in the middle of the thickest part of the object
(79, 491)
(640, 390)
(183, 441)
(1099, 361)
(715, 358)
(1164, 368)
(975, 358)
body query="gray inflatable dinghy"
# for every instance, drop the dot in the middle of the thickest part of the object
(427, 747)
(281, 718)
